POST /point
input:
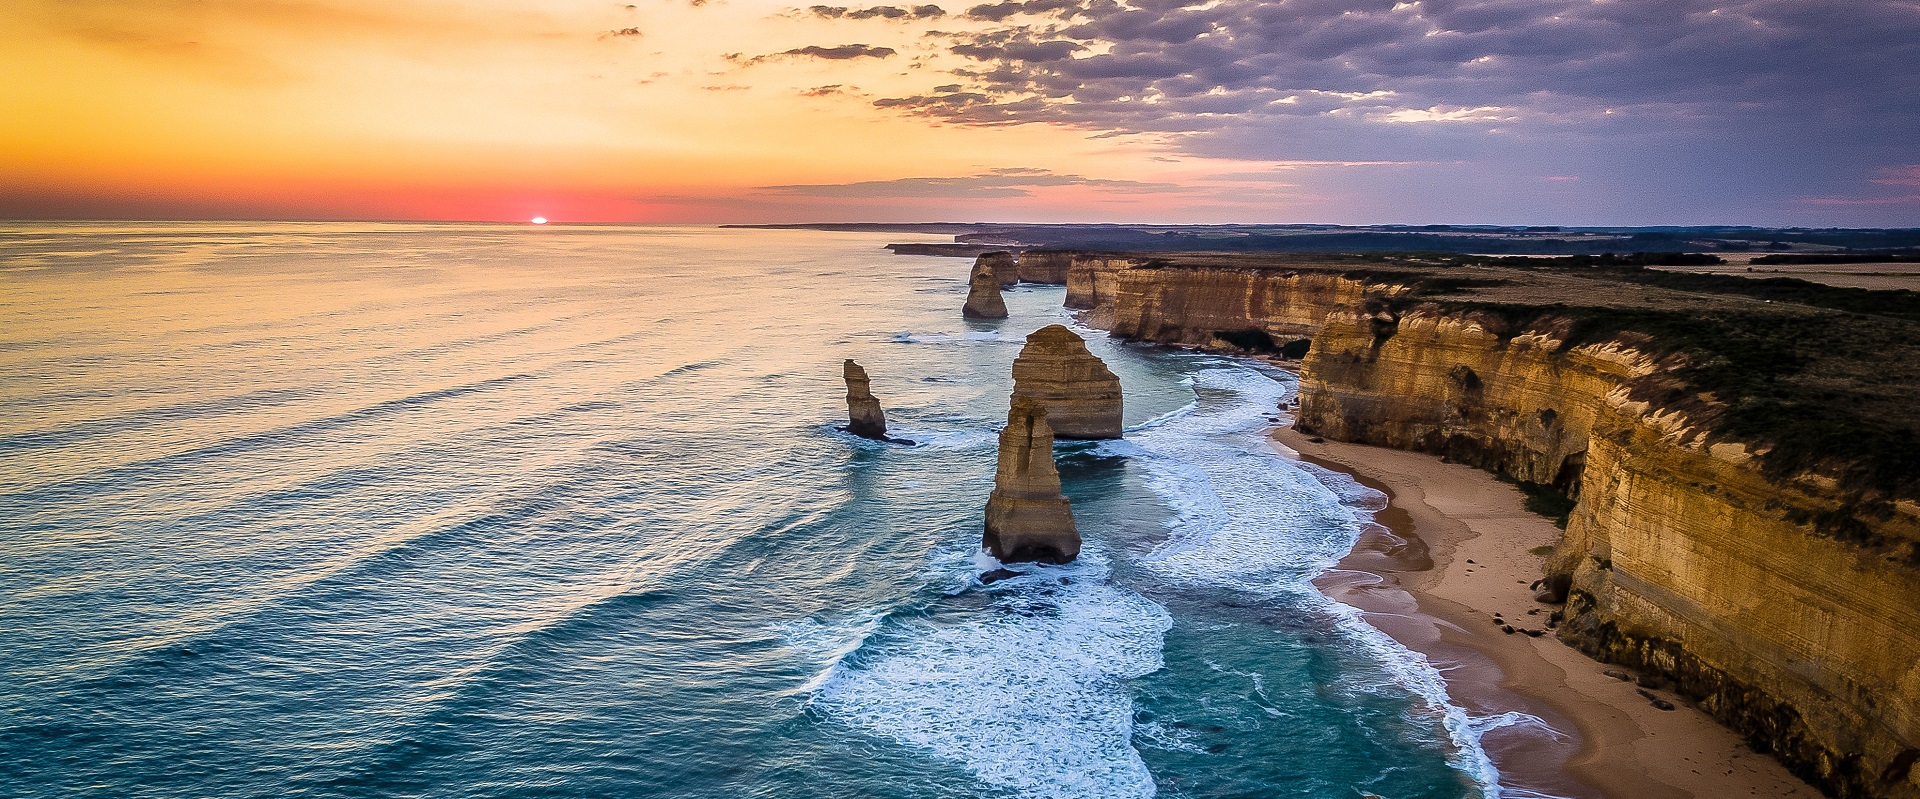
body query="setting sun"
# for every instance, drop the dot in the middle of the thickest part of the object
(539, 220)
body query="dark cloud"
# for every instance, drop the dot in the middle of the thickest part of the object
(995, 184)
(824, 91)
(840, 53)
(878, 12)
(1688, 100)
(622, 33)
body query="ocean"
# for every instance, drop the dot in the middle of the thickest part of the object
(393, 510)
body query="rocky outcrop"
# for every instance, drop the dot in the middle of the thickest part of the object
(865, 418)
(1005, 266)
(1081, 395)
(983, 293)
(1785, 602)
(1045, 266)
(1681, 557)
(1028, 519)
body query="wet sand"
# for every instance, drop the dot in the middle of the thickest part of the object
(1453, 550)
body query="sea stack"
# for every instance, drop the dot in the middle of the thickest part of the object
(1028, 519)
(1005, 266)
(1081, 394)
(983, 293)
(864, 415)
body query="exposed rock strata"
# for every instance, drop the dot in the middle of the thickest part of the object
(1045, 266)
(1787, 606)
(1081, 394)
(1004, 265)
(1028, 519)
(983, 293)
(865, 418)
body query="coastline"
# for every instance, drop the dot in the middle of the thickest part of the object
(1449, 552)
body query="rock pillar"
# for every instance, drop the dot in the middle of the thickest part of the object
(983, 293)
(865, 418)
(1028, 519)
(1081, 394)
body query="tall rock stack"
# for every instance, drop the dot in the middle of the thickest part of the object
(1045, 266)
(1028, 519)
(1005, 266)
(865, 418)
(1081, 394)
(983, 293)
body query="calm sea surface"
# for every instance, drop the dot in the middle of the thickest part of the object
(368, 510)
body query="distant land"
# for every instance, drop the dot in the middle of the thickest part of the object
(1480, 239)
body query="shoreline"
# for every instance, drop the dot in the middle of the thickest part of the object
(1449, 552)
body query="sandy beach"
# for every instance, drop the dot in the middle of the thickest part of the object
(1453, 551)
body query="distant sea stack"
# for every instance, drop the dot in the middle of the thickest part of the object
(1005, 266)
(865, 418)
(1081, 395)
(1028, 519)
(1045, 266)
(983, 293)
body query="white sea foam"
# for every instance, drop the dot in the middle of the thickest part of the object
(1250, 520)
(968, 337)
(1029, 694)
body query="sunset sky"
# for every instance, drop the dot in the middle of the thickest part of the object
(1773, 112)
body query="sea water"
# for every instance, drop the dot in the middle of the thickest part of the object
(371, 510)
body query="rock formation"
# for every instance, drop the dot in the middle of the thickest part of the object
(1005, 266)
(1081, 394)
(864, 415)
(1045, 266)
(1786, 602)
(1028, 519)
(983, 293)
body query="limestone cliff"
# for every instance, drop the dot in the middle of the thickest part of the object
(1761, 560)
(983, 293)
(1045, 266)
(1081, 395)
(1028, 519)
(865, 418)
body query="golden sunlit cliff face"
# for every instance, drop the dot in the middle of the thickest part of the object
(1786, 601)
(578, 111)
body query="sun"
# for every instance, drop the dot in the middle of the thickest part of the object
(538, 220)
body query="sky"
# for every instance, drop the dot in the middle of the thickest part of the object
(1569, 112)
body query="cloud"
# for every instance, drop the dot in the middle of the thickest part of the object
(994, 184)
(880, 12)
(1904, 175)
(824, 91)
(841, 53)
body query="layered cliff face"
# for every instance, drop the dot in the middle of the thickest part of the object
(865, 418)
(983, 293)
(1223, 306)
(1782, 592)
(1682, 556)
(1045, 266)
(1028, 519)
(1081, 395)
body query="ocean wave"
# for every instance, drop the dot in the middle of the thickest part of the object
(1025, 685)
(969, 337)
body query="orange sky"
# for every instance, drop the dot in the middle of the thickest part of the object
(1355, 111)
(490, 110)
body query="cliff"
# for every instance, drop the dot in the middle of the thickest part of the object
(1081, 395)
(1028, 519)
(1738, 461)
(983, 293)
(865, 418)
(1045, 266)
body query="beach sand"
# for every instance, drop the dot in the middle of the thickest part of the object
(1453, 549)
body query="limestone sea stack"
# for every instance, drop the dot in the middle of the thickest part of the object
(865, 418)
(1028, 519)
(1005, 266)
(983, 293)
(1081, 394)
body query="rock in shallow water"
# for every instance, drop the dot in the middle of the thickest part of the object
(1028, 519)
(983, 293)
(1081, 394)
(865, 418)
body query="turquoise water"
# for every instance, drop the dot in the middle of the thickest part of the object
(414, 510)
